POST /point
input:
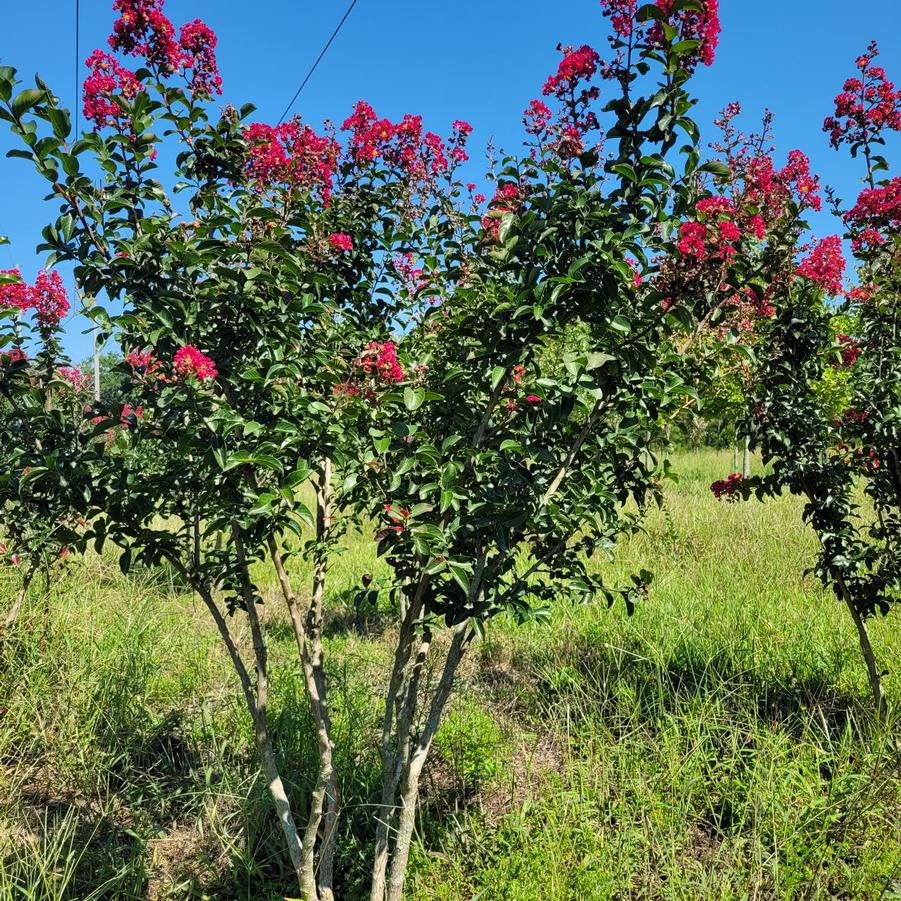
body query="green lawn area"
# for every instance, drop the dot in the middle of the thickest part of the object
(719, 744)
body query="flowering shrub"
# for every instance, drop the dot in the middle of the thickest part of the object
(47, 449)
(824, 401)
(257, 302)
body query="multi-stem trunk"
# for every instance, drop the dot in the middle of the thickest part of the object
(412, 770)
(257, 701)
(401, 697)
(307, 624)
(403, 753)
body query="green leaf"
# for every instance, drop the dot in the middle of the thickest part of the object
(61, 122)
(413, 398)
(25, 101)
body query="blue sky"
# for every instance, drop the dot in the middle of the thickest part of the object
(480, 60)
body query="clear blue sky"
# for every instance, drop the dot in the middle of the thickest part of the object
(480, 60)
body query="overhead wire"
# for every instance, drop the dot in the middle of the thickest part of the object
(315, 65)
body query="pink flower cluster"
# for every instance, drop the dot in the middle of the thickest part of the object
(877, 210)
(715, 232)
(15, 355)
(702, 26)
(190, 361)
(850, 350)
(508, 198)
(565, 136)
(622, 16)
(14, 295)
(47, 298)
(341, 242)
(79, 381)
(127, 412)
(291, 154)
(198, 43)
(729, 488)
(107, 82)
(380, 359)
(409, 274)
(143, 363)
(772, 189)
(576, 66)
(861, 293)
(143, 29)
(825, 265)
(866, 106)
(404, 145)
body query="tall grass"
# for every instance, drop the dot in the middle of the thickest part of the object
(717, 744)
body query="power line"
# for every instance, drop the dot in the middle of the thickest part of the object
(303, 84)
(77, 54)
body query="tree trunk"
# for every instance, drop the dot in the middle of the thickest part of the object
(866, 648)
(307, 626)
(13, 614)
(746, 459)
(413, 770)
(258, 709)
(397, 699)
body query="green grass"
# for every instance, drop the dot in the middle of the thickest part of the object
(717, 744)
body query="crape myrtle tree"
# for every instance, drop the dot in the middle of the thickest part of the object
(244, 292)
(729, 261)
(544, 380)
(825, 408)
(47, 448)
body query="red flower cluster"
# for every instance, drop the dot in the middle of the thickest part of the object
(702, 26)
(421, 155)
(850, 350)
(866, 106)
(127, 412)
(537, 118)
(380, 359)
(143, 29)
(341, 242)
(576, 65)
(80, 381)
(717, 237)
(291, 154)
(14, 295)
(771, 190)
(107, 82)
(47, 297)
(825, 265)
(409, 274)
(729, 488)
(190, 361)
(198, 41)
(748, 307)
(852, 416)
(461, 132)
(143, 364)
(877, 210)
(13, 356)
(861, 293)
(622, 16)
(508, 198)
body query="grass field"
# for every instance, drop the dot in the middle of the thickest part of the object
(716, 745)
